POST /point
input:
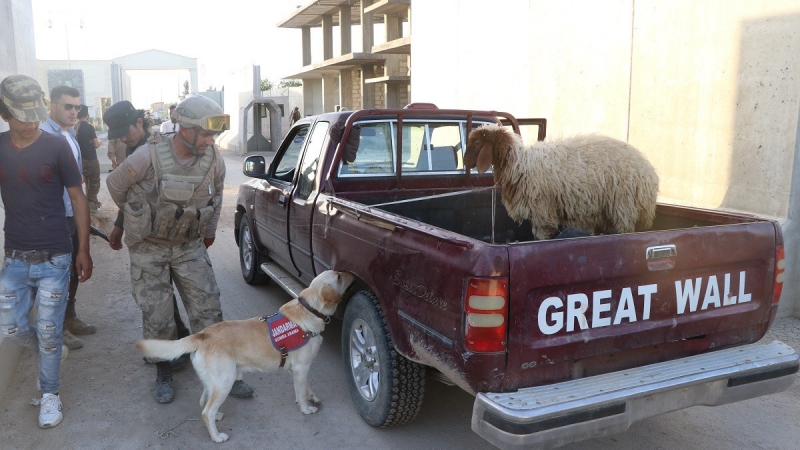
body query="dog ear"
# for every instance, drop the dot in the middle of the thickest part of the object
(329, 295)
(484, 158)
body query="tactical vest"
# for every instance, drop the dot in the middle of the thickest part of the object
(181, 202)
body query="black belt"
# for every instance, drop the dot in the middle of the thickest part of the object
(32, 256)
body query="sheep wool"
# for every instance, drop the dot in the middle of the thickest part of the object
(593, 182)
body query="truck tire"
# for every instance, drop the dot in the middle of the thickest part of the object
(249, 257)
(386, 388)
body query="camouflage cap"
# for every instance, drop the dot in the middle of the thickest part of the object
(23, 97)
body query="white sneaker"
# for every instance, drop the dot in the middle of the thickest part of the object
(50, 411)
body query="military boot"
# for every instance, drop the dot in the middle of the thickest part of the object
(240, 389)
(164, 393)
(79, 327)
(71, 341)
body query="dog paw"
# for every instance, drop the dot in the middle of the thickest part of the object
(309, 410)
(221, 437)
(220, 416)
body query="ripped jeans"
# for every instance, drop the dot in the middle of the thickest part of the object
(48, 281)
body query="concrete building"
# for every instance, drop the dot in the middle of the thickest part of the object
(97, 82)
(708, 91)
(376, 76)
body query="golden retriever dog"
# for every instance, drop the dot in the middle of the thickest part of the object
(221, 352)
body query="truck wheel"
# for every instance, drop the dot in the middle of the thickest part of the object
(386, 388)
(249, 257)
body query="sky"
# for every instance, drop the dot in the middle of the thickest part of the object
(225, 37)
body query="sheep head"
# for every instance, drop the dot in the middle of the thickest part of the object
(488, 145)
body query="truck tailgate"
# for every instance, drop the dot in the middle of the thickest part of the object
(587, 306)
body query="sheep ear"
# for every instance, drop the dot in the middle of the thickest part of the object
(484, 158)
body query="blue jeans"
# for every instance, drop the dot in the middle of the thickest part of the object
(49, 282)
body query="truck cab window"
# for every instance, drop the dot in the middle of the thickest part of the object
(308, 168)
(375, 152)
(287, 162)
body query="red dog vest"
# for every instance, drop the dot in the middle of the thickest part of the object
(285, 334)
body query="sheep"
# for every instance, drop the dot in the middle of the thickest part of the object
(591, 182)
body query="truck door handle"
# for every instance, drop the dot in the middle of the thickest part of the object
(661, 257)
(661, 251)
(282, 198)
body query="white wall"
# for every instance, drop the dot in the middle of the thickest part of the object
(708, 90)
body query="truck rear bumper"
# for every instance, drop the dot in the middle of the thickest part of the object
(554, 415)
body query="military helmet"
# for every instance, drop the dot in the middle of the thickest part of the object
(198, 111)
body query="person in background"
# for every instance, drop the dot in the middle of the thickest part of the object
(295, 116)
(87, 140)
(64, 107)
(36, 269)
(171, 125)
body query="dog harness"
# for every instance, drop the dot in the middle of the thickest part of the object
(285, 335)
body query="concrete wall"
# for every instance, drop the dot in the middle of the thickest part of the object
(708, 90)
(17, 55)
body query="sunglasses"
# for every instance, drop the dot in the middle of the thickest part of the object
(69, 106)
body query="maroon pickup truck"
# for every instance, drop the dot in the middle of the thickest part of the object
(559, 340)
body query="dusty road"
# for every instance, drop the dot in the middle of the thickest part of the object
(106, 387)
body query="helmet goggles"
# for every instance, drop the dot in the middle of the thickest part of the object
(216, 123)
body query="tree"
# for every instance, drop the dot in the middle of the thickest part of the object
(290, 83)
(185, 89)
(266, 85)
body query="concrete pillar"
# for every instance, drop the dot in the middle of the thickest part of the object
(306, 46)
(330, 92)
(312, 95)
(193, 81)
(394, 27)
(345, 28)
(367, 90)
(367, 30)
(791, 239)
(116, 83)
(346, 89)
(327, 37)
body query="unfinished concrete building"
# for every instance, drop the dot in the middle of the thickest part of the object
(379, 76)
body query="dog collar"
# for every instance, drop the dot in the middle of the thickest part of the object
(303, 302)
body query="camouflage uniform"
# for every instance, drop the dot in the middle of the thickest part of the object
(159, 244)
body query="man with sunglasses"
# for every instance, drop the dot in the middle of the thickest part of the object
(170, 192)
(64, 106)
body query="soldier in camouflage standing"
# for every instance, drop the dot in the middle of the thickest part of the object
(170, 191)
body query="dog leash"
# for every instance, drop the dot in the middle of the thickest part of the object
(168, 432)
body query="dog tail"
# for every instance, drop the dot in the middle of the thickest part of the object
(163, 349)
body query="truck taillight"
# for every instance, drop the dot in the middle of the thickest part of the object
(486, 308)
(780, 270)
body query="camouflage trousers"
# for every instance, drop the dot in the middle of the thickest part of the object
(190, 267)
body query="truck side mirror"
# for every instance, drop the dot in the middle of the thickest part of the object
(255, 166)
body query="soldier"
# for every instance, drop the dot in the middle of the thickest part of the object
(170, 191)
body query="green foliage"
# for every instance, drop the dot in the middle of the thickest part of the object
(266, 85)
(290, 83)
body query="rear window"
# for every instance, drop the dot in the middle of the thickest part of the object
(428, 147)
